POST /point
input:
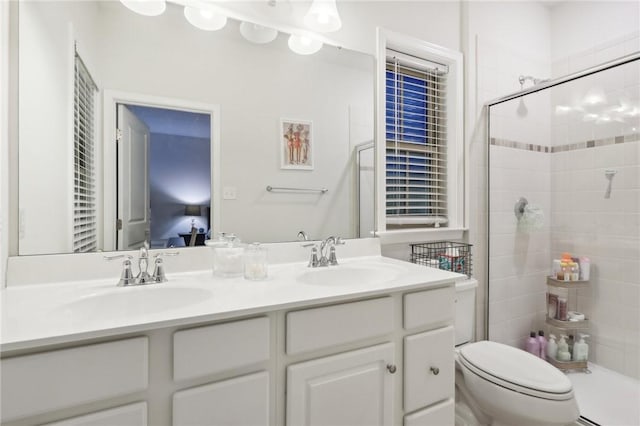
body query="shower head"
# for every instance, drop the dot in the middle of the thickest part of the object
(523, 78)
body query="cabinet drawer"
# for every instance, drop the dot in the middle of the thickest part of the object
(239, 401)
(428, 368)
(319, 328)
(127, 415)
(441, 414)
(38, 383)
(213, 349)
(429, 307)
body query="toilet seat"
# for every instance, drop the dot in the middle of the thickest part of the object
(516, 370)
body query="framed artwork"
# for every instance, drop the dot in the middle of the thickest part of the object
(296, 144)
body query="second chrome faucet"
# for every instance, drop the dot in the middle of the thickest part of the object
(324, 259)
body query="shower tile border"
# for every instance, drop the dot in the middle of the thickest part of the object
(592, 143)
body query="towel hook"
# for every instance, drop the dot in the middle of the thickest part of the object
(518, 208)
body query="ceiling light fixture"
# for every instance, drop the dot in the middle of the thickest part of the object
(205, 18)
(304, 45)
(323, 16)
(146, 7)
(257, 33)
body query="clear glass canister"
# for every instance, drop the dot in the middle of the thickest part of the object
(255, 262)
(228, 257)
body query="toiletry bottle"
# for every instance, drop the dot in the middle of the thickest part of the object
(562, 309)
(552, 305)
(552, 347)
(570, 343)
(575, 271)
(532, 345)
(542, 341)
(555, 268)
(563, 350)
(585, 267)
(581, 349)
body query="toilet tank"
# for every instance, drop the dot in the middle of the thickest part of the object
(465, 314)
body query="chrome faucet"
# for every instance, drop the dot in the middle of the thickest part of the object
(143, 277)
(324, 260)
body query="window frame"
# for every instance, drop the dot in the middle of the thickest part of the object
(455, 137)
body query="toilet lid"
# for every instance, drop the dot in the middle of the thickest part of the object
(515, 366)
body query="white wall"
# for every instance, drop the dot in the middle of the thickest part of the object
(46, 43)
(503, 40)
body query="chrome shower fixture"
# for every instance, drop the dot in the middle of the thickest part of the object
(523, 78)
(609, 174)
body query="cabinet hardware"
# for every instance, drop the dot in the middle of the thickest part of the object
(392, 368)
(434, 370)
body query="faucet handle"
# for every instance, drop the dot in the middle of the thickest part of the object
(158, 275)
(158, 271)
(313, 260)
(126, 277)
(333, 261)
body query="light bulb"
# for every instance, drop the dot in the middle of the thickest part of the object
(205, 18)
(323, 16)
(257, 33)
(304, 45)
(146, 7)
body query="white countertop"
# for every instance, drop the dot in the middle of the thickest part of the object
(55, 313)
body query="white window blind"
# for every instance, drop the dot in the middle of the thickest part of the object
(416, 142)
(84, 179)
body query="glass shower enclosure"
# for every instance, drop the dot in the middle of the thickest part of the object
(564, 177)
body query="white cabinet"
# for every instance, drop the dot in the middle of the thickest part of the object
(235, 402)
(428, 368)
(351, 389)
(374, 361)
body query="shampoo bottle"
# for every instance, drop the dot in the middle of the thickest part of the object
(532, 345)
(542, 341)
(563, 350)
(552, 347)
(581, 349)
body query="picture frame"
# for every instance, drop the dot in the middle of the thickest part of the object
(296, 144)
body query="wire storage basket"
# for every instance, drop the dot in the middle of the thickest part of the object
(447, 255)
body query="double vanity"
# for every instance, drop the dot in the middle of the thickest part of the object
(367, 342)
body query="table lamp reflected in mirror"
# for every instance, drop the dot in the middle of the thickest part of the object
(193, 211)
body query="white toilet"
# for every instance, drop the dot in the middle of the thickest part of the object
(498, 384)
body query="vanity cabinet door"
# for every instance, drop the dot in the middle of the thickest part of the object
(240, 401)
(428, 368)
(351, 389)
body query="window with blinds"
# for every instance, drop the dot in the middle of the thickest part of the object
(84, 180)
(416, 142)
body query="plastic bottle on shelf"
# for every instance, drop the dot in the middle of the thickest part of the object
(585, 268)
(575, 271)
(570, 343)
(542, 341)
(552, 347)
(562, 309)
(532, 346)
(563, 350)
(581, 349)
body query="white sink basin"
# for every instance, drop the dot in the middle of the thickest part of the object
(137, 300)
(366, 273)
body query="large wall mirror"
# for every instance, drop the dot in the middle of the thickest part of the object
(230, 112)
